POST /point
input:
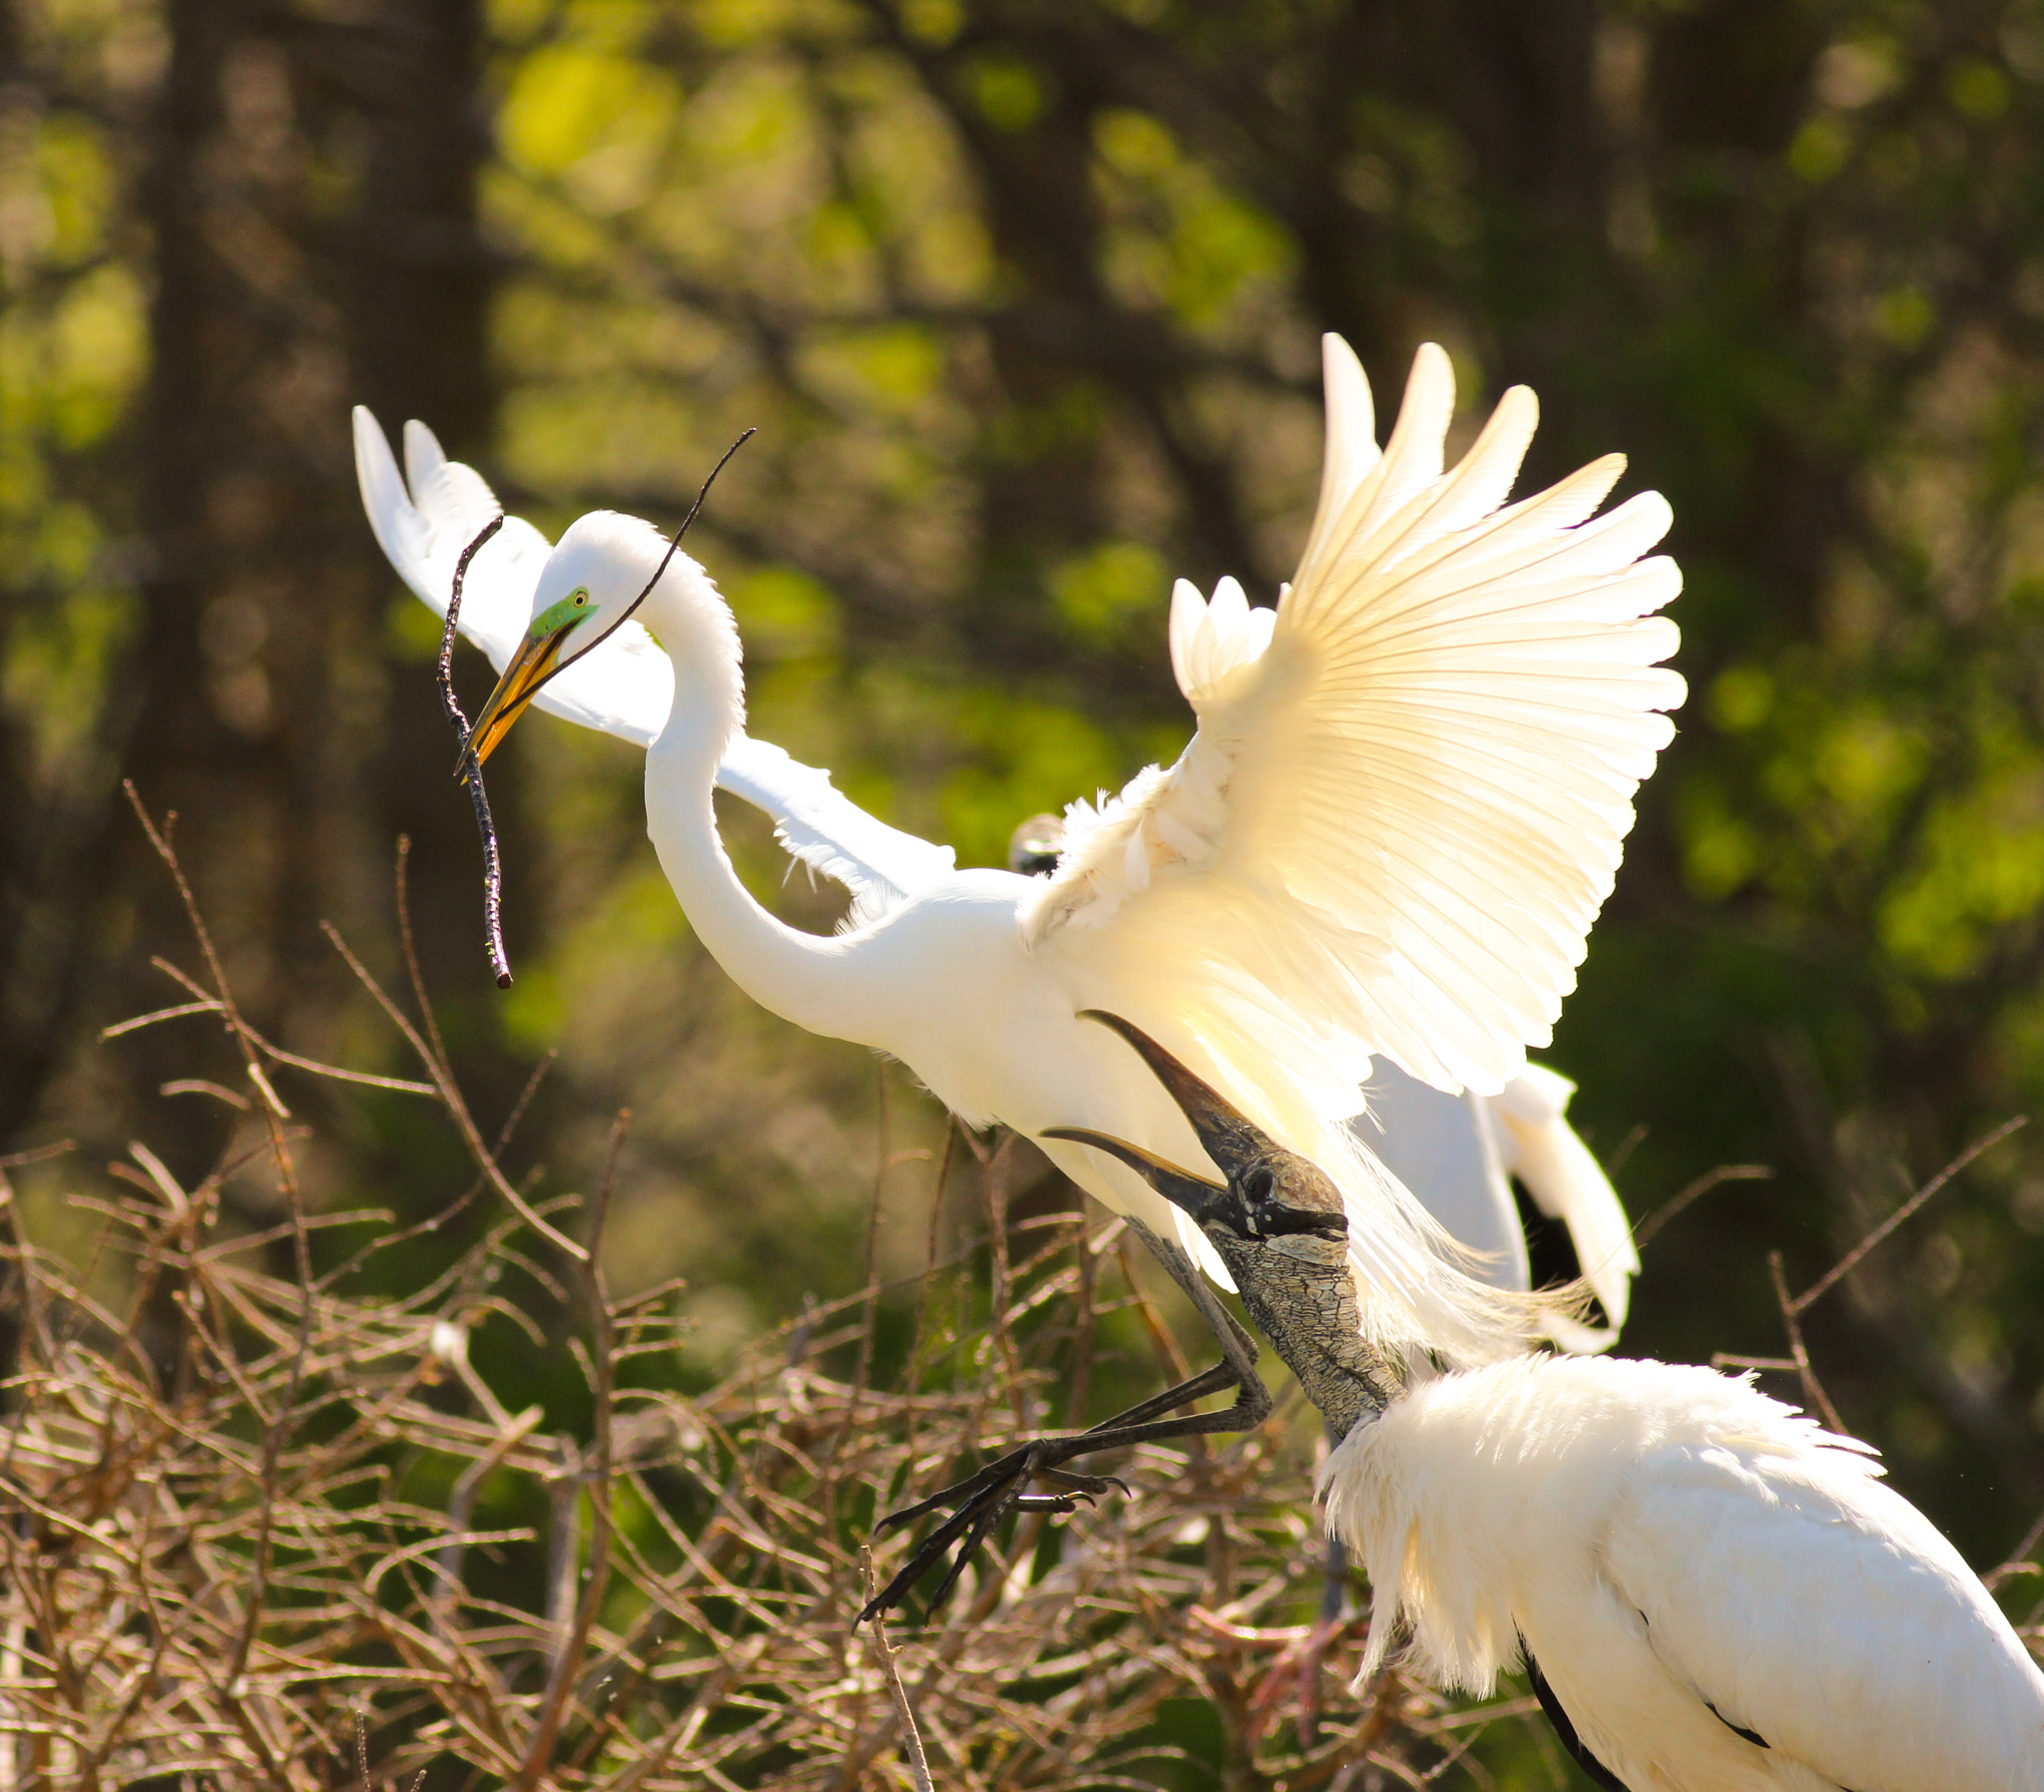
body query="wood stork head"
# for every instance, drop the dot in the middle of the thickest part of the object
(1269, 1193)
(1281, 1227)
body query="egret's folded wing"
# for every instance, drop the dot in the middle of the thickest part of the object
(820, 825)
(624, 688)
(1409, 788)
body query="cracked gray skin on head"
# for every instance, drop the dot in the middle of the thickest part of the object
(1280, 1229)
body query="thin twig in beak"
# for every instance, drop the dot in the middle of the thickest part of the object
(559, 665)
(493, 869)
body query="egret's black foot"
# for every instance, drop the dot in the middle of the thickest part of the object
(981, 1500)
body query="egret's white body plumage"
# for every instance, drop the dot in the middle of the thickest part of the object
(1403, 805)
(1685, 1558)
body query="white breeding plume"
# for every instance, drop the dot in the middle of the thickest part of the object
(1709, 1593)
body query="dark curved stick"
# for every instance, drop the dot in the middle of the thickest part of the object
(673, 546)
(493, 869)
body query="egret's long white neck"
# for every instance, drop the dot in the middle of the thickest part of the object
(800, 976)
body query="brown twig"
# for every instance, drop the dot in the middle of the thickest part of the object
(451, 1098)
(1644, 1233)
(469, 769)
(659, 571)
(871, 1311)
(298, 1482)
(546, 1729)
(993, 1187)
(911, 1736)
(1906, 1211)
(231, 1679)
(1799, 1352)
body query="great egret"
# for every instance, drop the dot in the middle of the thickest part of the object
(1402, 808)
(1456, 1153)
(1709, 1593)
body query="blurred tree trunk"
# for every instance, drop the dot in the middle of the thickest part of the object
(269, 717)
(41, 944)
(417, 286)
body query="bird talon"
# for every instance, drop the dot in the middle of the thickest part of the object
(978, 1504)
(1091, 1484)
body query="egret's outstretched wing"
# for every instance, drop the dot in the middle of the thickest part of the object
(1536, 1144)
(1410, 783)
(625, 688)
(1404, 806)
(824, 828)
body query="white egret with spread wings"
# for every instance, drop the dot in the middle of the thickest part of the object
(1403, 805)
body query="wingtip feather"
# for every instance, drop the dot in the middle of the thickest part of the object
(424, 455)
(1352, 427)
(1188, 611)
(394, 521)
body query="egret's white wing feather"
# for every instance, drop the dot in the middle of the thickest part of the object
(624, 688)
(1409, 788)
(828, 832)
(1444, 1148)
(423, 529)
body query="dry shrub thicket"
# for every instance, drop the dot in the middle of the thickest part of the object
(243, 1545)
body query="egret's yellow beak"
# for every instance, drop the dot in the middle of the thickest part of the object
(536, 657)
(522, 677)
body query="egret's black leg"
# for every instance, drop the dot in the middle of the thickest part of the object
(981, 1500)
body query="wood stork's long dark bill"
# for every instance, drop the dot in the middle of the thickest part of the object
(1269, 1193)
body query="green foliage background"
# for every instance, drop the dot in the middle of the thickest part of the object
(1024, 300)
